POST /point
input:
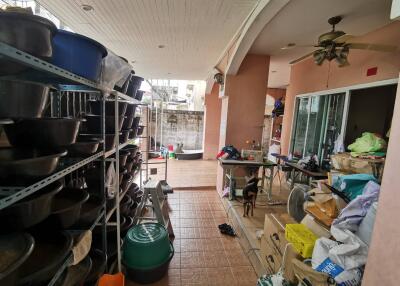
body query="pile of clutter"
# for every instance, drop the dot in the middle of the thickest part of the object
(338, 256)
(332, 240)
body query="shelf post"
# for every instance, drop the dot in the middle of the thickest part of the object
(116, 126)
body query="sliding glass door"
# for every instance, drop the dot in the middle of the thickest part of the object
(317, 125)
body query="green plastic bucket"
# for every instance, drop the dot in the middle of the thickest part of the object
(146, 246)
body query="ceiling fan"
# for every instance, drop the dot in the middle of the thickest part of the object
(336, 45)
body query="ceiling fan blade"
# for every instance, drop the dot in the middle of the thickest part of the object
(344, 39)
(302, 58)
(289, 47)
(374, 47)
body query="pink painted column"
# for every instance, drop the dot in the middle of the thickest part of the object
(242, 112)
(212, 119)
(384, 252)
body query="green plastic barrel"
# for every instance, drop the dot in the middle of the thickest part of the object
(146, 246)
(171, 155)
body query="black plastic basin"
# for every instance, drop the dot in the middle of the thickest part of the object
(131, 110)
(95, 107)
(125, 136)
(50, 252)
(132, 149)
(43, 132)
(134, 85)
(30, 210)
(109, 139)
(84, 147)
(66, 208)
(29, 33)
(93, 123)
(15, 249)
(75, 275)
(22, 100)
(98, 266)
(128, 122)
(16, 163)
(90, 211)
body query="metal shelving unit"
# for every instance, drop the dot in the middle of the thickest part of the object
(61, 81)
(148, 149)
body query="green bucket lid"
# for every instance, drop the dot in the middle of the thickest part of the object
(146, 246)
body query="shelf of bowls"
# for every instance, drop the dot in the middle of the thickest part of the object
(56, 163)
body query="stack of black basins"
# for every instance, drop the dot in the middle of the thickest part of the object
(92, 128)
(32, 228)
(33, 243)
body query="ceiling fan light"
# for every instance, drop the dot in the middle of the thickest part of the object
(341, 57)
(319, 57)
(342, 61)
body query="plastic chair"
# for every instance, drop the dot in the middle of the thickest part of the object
(112, 280)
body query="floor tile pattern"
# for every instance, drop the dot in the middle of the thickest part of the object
(203, 256)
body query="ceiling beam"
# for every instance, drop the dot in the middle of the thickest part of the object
(262, 15)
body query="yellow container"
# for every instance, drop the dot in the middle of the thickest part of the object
(302, 238)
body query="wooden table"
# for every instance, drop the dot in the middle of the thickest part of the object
(298, 169)
(231, 165)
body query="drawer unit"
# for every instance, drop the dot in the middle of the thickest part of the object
(270, 259)
(274, 231)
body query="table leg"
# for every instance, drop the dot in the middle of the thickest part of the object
(231, 195)
(271, 181)
(292, 175)
(262, 177)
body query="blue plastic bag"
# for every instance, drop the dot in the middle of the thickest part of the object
(353, 185)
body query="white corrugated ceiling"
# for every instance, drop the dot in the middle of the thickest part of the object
(194, 32)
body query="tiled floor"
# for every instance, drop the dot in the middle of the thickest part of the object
(203, 256)
(188, 173)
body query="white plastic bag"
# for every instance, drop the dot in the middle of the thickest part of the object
(328, 256)
(114, 70)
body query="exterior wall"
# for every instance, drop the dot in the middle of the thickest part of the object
(308, 77)
(242, 112)
(266, 135)
(181, 126)
(212, 120)
(275, 93)
(384, 248)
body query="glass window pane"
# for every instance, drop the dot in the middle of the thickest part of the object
(334, 124)
(299, 134)
(315, 124)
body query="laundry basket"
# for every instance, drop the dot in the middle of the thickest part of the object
(302, 238)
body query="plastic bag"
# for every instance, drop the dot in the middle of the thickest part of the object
(272, 280)
(114, 70)
(328, 257)
(368, 142)
(353, 185)
(351, 216)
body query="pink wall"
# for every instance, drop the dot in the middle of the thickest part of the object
(212, 119)
(242, 112)
(384, 252)
(308, 77)
(246, 94)
(276, 93)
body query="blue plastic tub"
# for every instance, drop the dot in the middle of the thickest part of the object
(78, 54)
